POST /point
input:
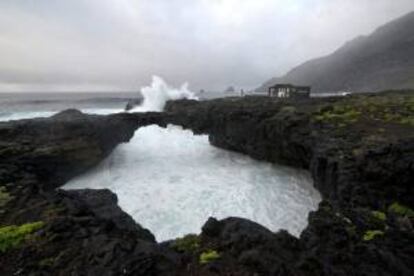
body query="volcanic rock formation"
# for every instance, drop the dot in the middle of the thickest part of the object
(359, 150)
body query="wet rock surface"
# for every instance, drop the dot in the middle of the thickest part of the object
(85, 232)
(359, 149)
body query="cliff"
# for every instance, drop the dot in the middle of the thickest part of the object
(380, 61)
(359, 150)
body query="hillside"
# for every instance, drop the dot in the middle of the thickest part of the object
(380, 61)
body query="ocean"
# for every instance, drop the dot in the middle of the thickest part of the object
(14, 106)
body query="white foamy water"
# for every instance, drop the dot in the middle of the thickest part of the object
(159, 92)
(11, 116)
(171, 181)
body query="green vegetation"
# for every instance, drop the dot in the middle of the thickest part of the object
(288, 109)
(209, 256)
(338, 114)
(48, 262)
(399, 118)
(407, 121)
(401, 210)
(379, 215)
(372, 234)
(11, 236)
(351, 230)
(397, 109)
(188, 243)
(5, 197)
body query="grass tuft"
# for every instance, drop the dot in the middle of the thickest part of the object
(401, 210)
(13, 235)
(372, 234)
(209, 256)
(188, 243)
(379, 215)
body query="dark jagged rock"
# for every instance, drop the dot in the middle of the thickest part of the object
(82, 238)
(348, 149)
(252, 246)
(336, 240)
(85, 231)
(67, 144)
(133, 103)
(359, 150)
(103, 205)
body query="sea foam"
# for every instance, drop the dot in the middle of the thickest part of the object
(159, 92)
(171, 181)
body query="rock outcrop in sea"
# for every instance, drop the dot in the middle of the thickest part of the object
(359, 150)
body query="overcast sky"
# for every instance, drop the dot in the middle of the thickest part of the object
(107, 45)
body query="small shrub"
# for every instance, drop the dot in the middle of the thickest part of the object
(407, 121)
(288, 109)
(209, 256)
(351, 230)
(372, 234)
(188, 243)
(379, 215)
(48, 262)
(401, 210)
(11, 236)
(341, 115)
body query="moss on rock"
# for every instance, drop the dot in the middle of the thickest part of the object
(47, 262)
(188, 243)
(379, 215)
(372, 234)
(401, 210)
(396, 110)
(338, 114)
(209, 256)
(13, 235)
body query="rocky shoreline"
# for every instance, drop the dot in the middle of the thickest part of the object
(359, 150)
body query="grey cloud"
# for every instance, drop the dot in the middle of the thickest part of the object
(119, 44)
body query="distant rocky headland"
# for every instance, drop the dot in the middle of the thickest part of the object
(359, 150)
(380, 61)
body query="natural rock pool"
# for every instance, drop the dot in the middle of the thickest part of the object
(170, 181)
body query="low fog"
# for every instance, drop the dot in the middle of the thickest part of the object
(117, 45)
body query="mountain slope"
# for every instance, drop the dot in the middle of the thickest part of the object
(382, 60)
